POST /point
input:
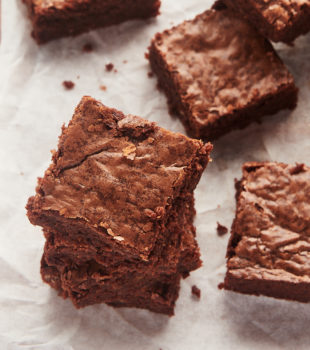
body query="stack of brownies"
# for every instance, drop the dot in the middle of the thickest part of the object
(116, 206)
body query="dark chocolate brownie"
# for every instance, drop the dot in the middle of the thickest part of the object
(219, 73)
(52, 19)
(278, 20)
(119, 196)
(268, 252)
(160, 275)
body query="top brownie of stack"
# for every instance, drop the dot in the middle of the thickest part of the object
(281, 20)
(219, 73)
(53, 19)
(120, 188)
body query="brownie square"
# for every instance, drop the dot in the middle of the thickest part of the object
(116, 206)
(53, 19)
(268, 252)
(280, 20)
(219, 73)
(89, 277)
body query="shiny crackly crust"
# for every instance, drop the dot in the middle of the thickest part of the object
(270, 239)
(279, 20)
(219, 73)
(117, 176)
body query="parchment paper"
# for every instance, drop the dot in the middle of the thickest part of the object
(34, 105)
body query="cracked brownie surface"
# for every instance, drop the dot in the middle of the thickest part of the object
(270, 238)
(219, 73)
(109, 161)
(279, 20)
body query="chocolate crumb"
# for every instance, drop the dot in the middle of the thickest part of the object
(115, 70)
(125, 61)
(299, 168)
(221, 286)
(221, 230)
(150, 74)
(109, 67)
(68, 84)
(196, 291)
(103, 87)
(88, 48)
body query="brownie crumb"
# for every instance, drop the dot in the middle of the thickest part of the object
(88, 48)
(68, 84)
(115, 71)
(150, 74)
(103, 88)
(125, 61)
(299, 168)
(109, 67)
(221, 230)
(221, 286)
(196, 291)
(146, 55)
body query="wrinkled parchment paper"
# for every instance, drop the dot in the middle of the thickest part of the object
(34, 105)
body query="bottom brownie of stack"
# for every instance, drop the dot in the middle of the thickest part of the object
(89, 276)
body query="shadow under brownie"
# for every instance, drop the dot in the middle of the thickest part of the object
(219, 73)
(268, 252)
(119, 195)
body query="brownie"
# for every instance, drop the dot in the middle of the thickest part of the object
(281, 20)
(117, 208)
(219, 73)
(157, 280)
(268, 252)
(53, 19)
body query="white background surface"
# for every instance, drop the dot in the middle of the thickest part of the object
(34, 105)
